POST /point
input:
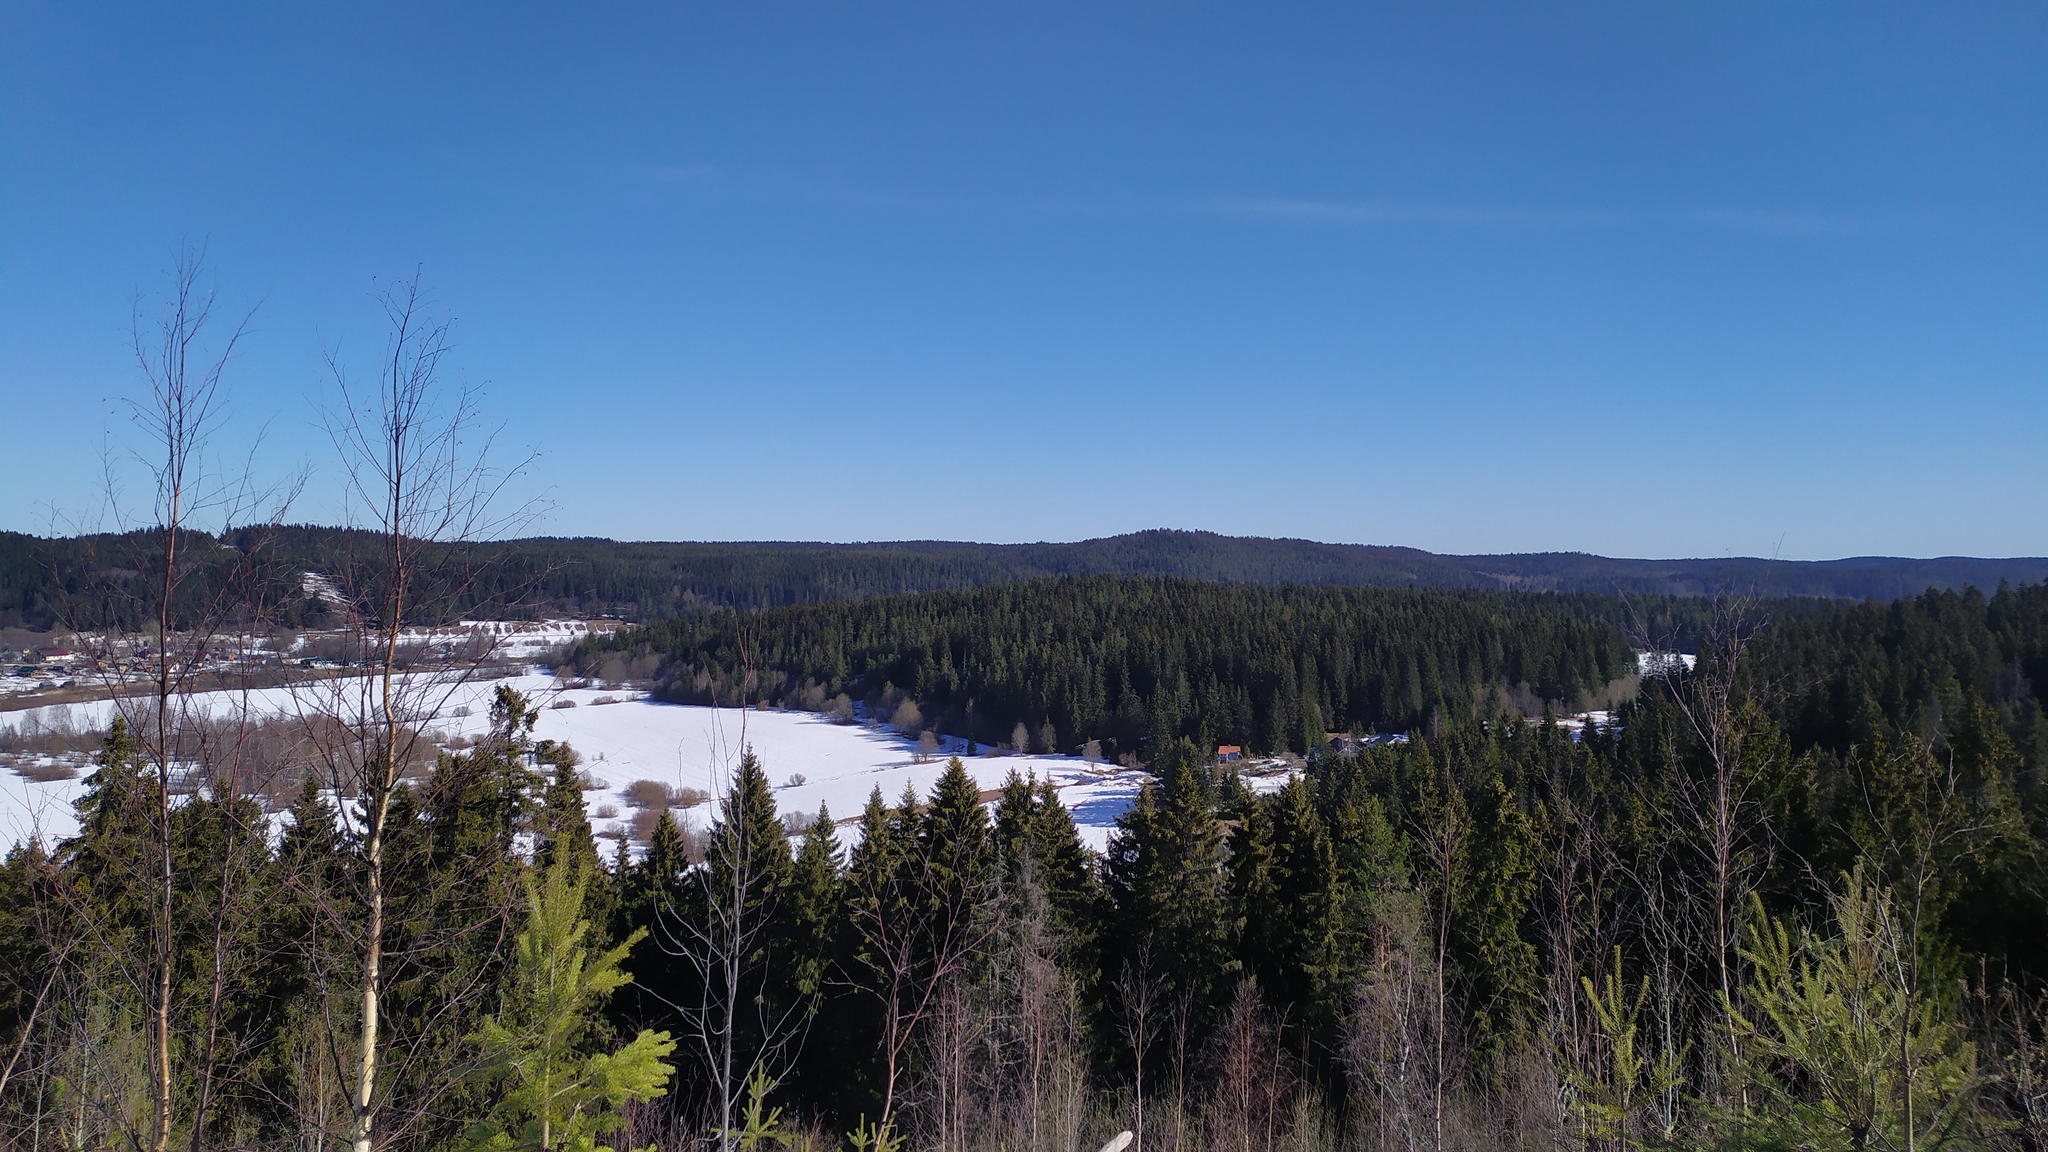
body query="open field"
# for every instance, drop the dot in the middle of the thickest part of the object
(622, 738)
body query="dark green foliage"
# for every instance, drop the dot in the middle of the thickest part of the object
(1893, 761)
(811, 909)
(1169, 920)
(1131, 661)
(1031, 825)
(42, 580)
(651, 894)
(453, 875)
(956, 853)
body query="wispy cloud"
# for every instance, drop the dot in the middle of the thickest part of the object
(826, 188)
(833, 189)
(1386, 213)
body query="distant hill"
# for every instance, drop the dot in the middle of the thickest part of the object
(648, 580)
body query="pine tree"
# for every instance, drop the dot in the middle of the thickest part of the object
(1847, 1055)
(554, 1093)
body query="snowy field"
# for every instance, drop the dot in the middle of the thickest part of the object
(635, 739)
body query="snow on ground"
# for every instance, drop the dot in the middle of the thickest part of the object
(631, 739)
(634, 738)
(29, 808)
(1658, 663)
(690, 746)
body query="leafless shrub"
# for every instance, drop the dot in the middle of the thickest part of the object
(1253, 1079)
(655, 796)
(650, 795)
(564, 702)
(1398, 1061)
(641, 827)
(43, 771)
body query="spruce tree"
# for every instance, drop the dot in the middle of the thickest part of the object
(1501, 962)
(812, 971)
(957, 851)
(878, 901)
(1165, 879)
(811, 907)
(650, 889)
(1305, 970)
(562, 826)
(1370, 861)
(1016, 810)
(1254, 891)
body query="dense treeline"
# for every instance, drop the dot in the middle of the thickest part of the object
(1793, 899)
(43, 581)
(1133, 663)
(116, 581)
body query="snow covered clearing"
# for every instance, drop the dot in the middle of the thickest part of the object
(622, 738)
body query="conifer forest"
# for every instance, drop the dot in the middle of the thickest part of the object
(1789, 897)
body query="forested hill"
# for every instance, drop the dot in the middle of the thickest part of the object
(649, 580)
(1135, 662)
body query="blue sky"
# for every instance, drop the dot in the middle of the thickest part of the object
(1639, 279)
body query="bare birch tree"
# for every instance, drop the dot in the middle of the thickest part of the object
(1720, 804)
(1139, 992)
(170, 600)
(421, 496)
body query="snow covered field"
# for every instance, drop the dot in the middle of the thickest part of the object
(634, 739)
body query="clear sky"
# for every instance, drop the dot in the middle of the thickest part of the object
(1639, 279)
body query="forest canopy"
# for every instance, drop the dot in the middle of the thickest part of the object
(43, 580)
(1793, 897)
(1134, 663)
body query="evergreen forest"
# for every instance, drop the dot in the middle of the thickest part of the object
(95, 580)
(1132, 663)
(1790, 898)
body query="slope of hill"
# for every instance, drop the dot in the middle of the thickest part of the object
(647, 580)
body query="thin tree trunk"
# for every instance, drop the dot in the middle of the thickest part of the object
(365, 1102)
(162, 1023)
